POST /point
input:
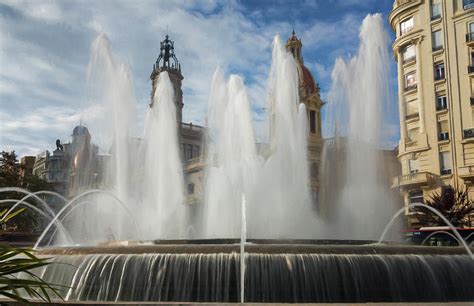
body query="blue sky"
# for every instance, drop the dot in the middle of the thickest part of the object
(44, 52)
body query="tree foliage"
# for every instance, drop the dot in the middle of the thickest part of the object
(26, 220)
(455, 205)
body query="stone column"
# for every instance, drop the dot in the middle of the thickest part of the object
(419, 80)
(401, 98)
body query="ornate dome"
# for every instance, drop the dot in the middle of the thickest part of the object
(80, 130)
(307, 80)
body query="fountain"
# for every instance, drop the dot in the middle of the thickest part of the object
(263, 199)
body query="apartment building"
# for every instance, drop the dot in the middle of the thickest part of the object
(434, 51)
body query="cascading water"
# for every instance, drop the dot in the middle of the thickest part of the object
(356, 100)
(270, 277)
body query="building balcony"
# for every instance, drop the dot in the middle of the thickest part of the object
(466, 173)
(414, 179)
(468, 133)
(470, 39)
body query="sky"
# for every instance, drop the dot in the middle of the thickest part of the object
(45, 47)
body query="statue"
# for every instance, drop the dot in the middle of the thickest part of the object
(59, 146)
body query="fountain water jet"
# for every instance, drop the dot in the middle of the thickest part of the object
(357, 97)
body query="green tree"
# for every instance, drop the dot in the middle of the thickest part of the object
(455, 205)
(27, 220)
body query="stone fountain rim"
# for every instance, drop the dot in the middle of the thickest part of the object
(228, 246)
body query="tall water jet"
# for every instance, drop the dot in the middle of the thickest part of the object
(144, 174)
(110, 91)
(161, 189)
(282, 196)
(358, 93)
(232, 157)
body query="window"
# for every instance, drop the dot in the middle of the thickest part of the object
(439, 71)
(437, 40)
(435, 9)
(415, 196)
(410, 81)
(470, 32)
(190, 188)
(413, 165)
(312, 121)
(441, 102)
(443, 130)
(468, 4)
(406, 26)
(409, 53)
(445, 162)
(195, 151)
(188, 151)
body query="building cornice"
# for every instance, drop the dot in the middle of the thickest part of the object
(413, 37)
(402, 8)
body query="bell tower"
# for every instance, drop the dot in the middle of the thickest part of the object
(309, 93)
(167, 61)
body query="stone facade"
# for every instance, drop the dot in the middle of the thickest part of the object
(434, 51)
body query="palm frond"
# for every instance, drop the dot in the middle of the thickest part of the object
(13, 262)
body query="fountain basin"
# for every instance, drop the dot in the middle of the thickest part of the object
(276, 272)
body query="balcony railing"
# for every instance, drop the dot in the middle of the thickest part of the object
(411, 87)
(443, 136)
(419, 178)
(470, 37)
(446, 171)
(470, 69)
(468, 133)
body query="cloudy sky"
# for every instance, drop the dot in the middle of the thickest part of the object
(44, 53)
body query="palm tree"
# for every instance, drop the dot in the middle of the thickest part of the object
(14, 261)
(455, 205)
